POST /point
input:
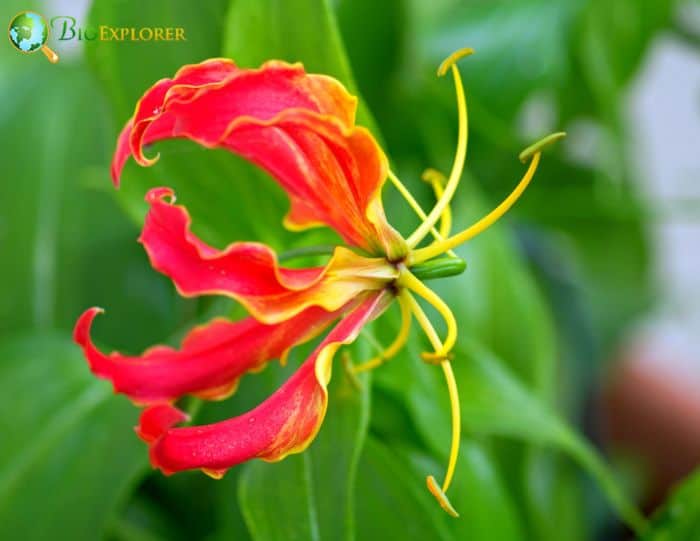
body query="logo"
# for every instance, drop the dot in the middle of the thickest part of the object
(28, 33)
(67, 29)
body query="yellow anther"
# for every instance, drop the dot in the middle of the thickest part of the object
(440, 493)
(534, 148)
(440, 496)
(460, 155)
(452, 60)
(434, 177)
(399, 341)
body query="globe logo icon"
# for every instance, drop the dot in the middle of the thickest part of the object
(28, 33)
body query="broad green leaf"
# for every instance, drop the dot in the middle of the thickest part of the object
(505, 70)
(127, 69)
(487, 511)
(374, 35)
(69, 450)
(554, 497)
(277, 500)
(612, 39)
(493, 403)
(679, 518)
(335, 455)
(392, 501)
(322, 478)
(54, 228)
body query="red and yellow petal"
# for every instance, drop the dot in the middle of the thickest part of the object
(249, 271)
(296, 126)
(210, 362)
(284, 423)
(216, 91)
(147, 109)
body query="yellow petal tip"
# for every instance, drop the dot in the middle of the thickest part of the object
(454, 57)
(440, 496)
(530, 151)
(214, 474)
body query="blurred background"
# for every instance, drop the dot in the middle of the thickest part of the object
(579, 352)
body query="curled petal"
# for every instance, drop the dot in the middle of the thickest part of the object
(217, 85)
(298, 127)
(148, 107)
(209, 363)
(155, 420)
(249, 271)
(284, 423)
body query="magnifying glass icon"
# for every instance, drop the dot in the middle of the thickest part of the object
(28, 33)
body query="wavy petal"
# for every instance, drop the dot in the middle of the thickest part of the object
(296, 126)
(218, 85)
(249, 271)
(209, 363)
(284, 423)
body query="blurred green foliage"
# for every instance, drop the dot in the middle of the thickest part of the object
(540, 306)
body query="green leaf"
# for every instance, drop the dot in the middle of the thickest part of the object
(56, 227)
(127, 69)
(277, 500)
(311, 496)
(504, 71)
(335, 455)
(69, 450)
(392, 501)
(487, 511)
(679, 518)
(493, 403)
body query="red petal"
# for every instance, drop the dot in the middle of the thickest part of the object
(156, 420)
(249, 271)
(218, 84)
(285, 423)
(298, 127)
(210, 362)
(197, 76)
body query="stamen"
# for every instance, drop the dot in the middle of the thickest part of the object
(540, 145)
(401, 187)
(458, 165)
(440, 494)
(397, 344)
(437, 248)
(437, 180)
(408, 280)
(452, 60)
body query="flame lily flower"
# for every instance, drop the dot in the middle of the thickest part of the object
(300, 128)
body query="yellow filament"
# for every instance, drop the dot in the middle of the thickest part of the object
(461, 154)
(401, 188)
(427, 327)
(440, 247)
(398, 343)
(409, 281)
(437, 181)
